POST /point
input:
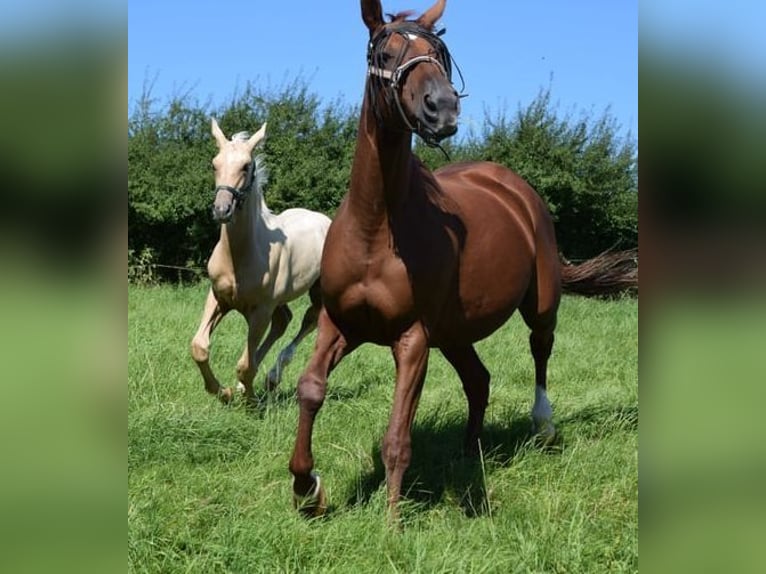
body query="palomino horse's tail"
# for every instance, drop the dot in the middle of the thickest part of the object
(606, 275)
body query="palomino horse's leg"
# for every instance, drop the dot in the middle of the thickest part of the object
(475, 378)
(257, 321)
(330, 348)
(280, 319)
(411, 357)
(308, 324)
(200, 345)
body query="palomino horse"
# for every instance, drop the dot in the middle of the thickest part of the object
(260, 263)
(415, 259)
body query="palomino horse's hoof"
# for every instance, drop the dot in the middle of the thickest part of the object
(225, 395)
(314, 504)
(272, 382)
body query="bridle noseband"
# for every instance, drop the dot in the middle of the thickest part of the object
(375, 69)
(240, 193)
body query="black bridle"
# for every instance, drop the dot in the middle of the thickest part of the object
(390, 80)
(240, 193)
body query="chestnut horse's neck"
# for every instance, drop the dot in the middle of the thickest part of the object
(382, 170)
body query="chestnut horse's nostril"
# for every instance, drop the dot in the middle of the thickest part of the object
(429, 103)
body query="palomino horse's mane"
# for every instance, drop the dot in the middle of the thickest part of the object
(261, 172)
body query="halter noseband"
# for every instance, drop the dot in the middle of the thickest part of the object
(240, 193)
(443, 62)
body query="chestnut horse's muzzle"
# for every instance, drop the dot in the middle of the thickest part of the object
(438, 111)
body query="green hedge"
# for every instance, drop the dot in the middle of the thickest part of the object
(583, 168)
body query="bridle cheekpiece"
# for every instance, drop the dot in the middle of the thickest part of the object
(240, 193)
(375, 66)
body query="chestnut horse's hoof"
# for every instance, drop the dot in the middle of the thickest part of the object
(545, 433)
(314, 504)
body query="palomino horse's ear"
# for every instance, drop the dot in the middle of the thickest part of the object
(372, 14)
(220, 138)
(430, 16)
(257, 137)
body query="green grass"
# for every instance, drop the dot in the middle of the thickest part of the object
(209, 489)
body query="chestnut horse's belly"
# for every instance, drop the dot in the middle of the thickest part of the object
(495, 273)
(509, 240)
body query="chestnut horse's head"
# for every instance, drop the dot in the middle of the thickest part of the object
(235, 170)
(410, 73)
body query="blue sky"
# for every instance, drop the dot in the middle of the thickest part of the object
(586, 51)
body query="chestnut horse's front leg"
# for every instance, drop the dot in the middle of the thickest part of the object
(330, 348)
(411, 357)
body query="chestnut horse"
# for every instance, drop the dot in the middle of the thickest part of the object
(260, 263)
(415, 260)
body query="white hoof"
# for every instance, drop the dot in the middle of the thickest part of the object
(544, 430)
(240, 388)
(542, 417)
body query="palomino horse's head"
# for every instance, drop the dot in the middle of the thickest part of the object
(410, 73)
(235, 170)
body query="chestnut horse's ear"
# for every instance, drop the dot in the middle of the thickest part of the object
(257, 137)
(217, 133)
(429, 17)
(372, 14)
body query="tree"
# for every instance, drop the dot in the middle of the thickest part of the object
(583, 170)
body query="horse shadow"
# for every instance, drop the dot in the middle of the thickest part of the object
(440, 471)
(287, 396)
(596, 420)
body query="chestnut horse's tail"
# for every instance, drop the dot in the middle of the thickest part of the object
(606, 275)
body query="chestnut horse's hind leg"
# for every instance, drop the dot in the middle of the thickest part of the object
(475, 378)
(200, 345)
(330, 348)
(539, 310)
(308, 324)
(541, 344)
(411, 357)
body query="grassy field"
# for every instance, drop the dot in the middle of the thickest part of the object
(209, 489)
